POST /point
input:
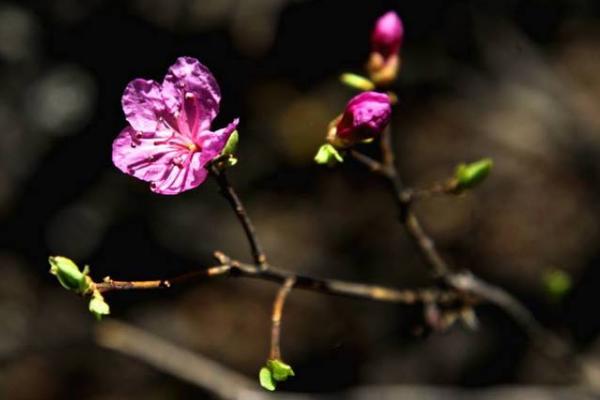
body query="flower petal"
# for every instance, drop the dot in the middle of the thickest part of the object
(213, 143)
(188, 77)
(142, 157)
(143, 104)
(188, 175)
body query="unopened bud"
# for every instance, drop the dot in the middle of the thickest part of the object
(280, 370)
(366, 115)
(470, 175)
(275, 371)
(386, 41)
(69, 275)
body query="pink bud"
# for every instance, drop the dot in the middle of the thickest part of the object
(386, 40)
(365, 116)
(388, 35)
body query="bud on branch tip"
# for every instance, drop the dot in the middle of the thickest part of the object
(386, 41)
(69, 275)
(275, 371)
(364, 118)
(72, 278)
(470, 175)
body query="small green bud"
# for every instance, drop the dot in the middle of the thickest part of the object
(69, 275)
(98, 306)
(275, 371)
(357, 81)
(266, 379)
(231, 144)
(469, 175)
(280, 370)
(557, 283)
(328, 154)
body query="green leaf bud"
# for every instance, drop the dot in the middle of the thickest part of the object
(470, 175)
(328, 154)
(69, 275)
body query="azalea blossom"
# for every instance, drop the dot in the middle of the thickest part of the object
(365, 117)
(386, 41)
(168, 141)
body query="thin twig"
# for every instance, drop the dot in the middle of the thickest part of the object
(388, 155)
(234, 268)
(282, 293)
(109, 284)
(238, 207)
(546, 341)
(372, 164)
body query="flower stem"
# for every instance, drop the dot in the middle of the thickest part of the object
(260, 259)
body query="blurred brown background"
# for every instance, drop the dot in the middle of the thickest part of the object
(515, 80)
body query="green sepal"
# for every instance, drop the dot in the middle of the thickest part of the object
(266, 379)
(69, 275)
(470, 175)
(357, 81)
(98, 306)
(327, 154)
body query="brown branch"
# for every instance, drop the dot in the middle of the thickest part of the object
(546, 341)
(284, 291)
(234, 268)
(238, 207)
(108, 284)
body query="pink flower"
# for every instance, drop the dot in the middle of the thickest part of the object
(168, 141)
(365, 116)
(386, 41)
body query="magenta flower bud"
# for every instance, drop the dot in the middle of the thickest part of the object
(365, 116)
(388, 35)
(386, 41)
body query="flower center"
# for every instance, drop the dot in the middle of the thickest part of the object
(192, 147)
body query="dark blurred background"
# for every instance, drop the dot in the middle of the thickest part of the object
(515, 80)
